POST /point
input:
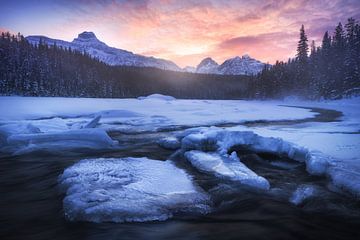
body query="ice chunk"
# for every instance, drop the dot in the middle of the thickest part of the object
(170, 143)
(158, 96)
(93, 123)
(346, 179)
(60, 142)
(129, 190)
(303, 193)
(226, 167)
(15, 128)
(200, 141)
(317, 163)
(119, 114)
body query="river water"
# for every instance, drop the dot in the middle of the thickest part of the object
(31, 204)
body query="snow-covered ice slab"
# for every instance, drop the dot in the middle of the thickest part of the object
(226, 167)
(129, 190)
(62, 143)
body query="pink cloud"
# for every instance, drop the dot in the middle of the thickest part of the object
(187, 31)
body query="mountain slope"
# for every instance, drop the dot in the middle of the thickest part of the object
(88, 42)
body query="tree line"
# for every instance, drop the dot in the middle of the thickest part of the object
(42, 70)
(330, 71)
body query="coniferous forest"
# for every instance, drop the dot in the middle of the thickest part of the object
(329, 71)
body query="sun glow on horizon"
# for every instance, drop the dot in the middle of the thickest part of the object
(184, 31)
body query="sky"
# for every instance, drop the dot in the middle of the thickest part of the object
(183, 31)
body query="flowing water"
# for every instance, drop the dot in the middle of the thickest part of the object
(31, 205)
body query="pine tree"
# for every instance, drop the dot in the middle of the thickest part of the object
(302, 72)
(339, 37)
(312, 48)
(303, 48)
(352, 70)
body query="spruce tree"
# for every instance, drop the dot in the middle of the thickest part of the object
(303, 47)
(302, 73)
(352, 70)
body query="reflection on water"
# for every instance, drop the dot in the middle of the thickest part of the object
(31, 205)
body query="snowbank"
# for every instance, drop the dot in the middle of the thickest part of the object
(129, 190)
(226, 167)
(158, 97)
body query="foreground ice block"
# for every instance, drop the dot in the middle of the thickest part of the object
(129, 190)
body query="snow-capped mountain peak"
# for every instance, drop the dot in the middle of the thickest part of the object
(207, 65)
(87, 35)
(244, 65)
(87, 38)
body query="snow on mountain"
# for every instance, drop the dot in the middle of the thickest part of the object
(244, 65)
(189, 69)
(88, 42)
(207, 65)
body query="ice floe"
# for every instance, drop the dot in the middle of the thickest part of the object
(16, 128)
(62, 143)
(226, 167)
(303, 193)
(129, 190)
(170, 143)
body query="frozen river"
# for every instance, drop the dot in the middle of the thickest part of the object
(297, 205)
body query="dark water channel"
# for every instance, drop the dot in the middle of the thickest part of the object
(31, 205)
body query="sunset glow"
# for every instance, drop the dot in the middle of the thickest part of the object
(183, 31)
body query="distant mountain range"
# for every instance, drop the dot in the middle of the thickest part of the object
(88, 42)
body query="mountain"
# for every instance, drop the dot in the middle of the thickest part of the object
(189, 69)
(88, 42)
(207, 65)
(244, 65)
